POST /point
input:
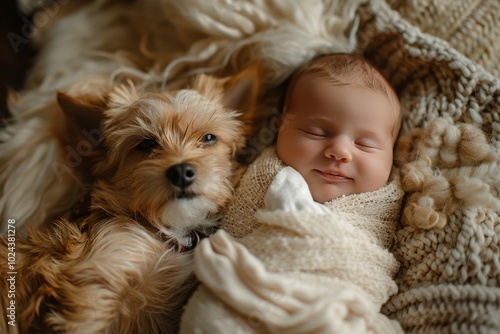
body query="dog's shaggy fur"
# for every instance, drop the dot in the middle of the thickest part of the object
(36, 181)
(167, 170)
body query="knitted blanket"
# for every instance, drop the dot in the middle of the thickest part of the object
(306, 267)
(449, 237)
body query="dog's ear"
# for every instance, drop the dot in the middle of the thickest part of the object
(123, 96)
(84, 115)
(209, 86)
(85, 111)
(238, 92)
(241, 91)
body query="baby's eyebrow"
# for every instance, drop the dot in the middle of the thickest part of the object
(372, 134)
(314, 117)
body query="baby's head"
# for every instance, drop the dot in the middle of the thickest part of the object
(340, 122)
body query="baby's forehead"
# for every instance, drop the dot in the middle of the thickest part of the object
(313, 93)
(312, 85)
(375, 81)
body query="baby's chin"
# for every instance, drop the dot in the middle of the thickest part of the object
(326, 195)
(333, 191)
(324, 192)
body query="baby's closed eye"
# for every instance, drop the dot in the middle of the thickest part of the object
(314, 132)
(366, 143)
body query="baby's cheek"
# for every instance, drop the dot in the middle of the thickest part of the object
(376, 173)
(297, 156)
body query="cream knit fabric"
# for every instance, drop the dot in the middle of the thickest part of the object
(449, 247)
(449, 240)
(472, 27)
(249, 195)
(302, 261)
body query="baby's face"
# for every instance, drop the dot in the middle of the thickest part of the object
(338, 138)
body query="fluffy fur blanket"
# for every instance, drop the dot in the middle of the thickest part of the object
(441, 57)
(306, 267)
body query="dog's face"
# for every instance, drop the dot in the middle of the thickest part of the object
(169, 155)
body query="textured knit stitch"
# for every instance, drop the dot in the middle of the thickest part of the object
(249, 195)
(449, 240)
(470, 26)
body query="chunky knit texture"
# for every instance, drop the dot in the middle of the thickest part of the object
(449, 238)
(472, 27)
(448, 247)
(305, 265)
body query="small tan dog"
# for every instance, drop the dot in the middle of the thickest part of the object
(167, 171)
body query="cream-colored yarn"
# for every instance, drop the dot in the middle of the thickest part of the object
(249, 195)
(449, 167)
(450, 274)
(470, 26)
(449, 244)
(335, 254)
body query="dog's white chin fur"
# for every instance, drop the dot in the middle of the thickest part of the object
(183, 215)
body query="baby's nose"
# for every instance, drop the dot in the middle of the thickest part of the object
(339, 149)
(181, 175)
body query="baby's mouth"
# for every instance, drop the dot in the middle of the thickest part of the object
(333, 175)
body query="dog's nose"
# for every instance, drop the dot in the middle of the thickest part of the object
(181, 175)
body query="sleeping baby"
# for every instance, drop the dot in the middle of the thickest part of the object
(313, 217)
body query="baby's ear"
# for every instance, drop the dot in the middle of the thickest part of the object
(86, 111)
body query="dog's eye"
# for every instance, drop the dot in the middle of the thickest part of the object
(147, 145)
(209, 139)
